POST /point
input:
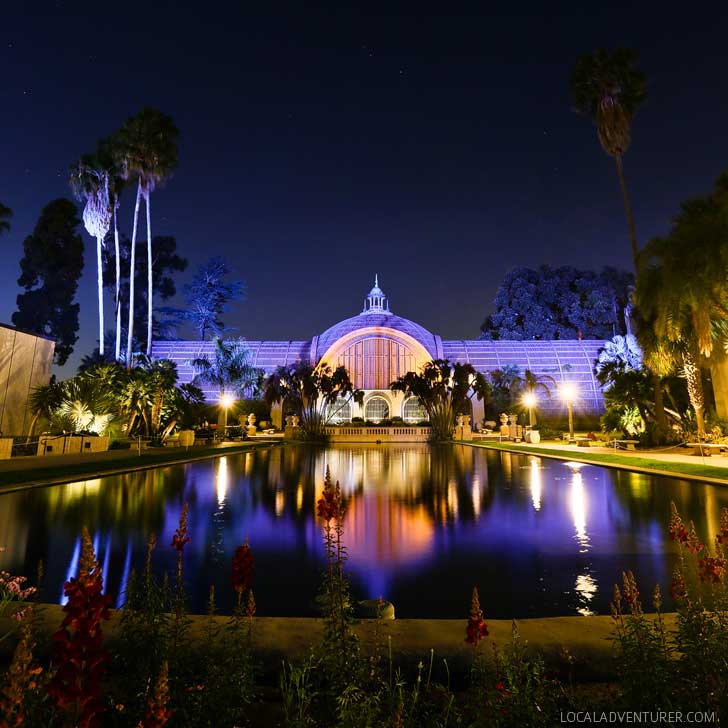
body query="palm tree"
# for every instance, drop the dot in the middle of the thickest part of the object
(149, 142)
(609, 88)
(229, 370)
(5, 214)
(532, 385)
(43, 402)
(90, 184)
(110, 151)
(681, 294)
(444, 390)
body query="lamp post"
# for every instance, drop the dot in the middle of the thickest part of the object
(568, 394)
(227, 400)
(530, 401)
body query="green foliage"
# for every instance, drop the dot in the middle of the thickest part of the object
(308, 392)
(229, 369)
(208, 297)
(50, 269)
(107, 399)
(516, 692)
(609, 88)
(444, 389)
(165, 263)
(559, 303)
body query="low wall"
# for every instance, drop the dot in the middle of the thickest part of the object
(71, 444)
(588, 640)
(378, 434)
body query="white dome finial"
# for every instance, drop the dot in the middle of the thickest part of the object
(376, 301)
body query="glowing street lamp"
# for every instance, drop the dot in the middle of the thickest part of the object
(530, 400)
(569, 393)
(226, 401)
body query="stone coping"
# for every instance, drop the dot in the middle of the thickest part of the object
(586, 640)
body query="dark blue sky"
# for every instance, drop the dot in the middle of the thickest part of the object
(320, 147)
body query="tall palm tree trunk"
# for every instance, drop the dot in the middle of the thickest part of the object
(100, 287)
(149, 275)
(695, 390)
(628, 212)
(132, 271)
(117, 290)
(660, 416)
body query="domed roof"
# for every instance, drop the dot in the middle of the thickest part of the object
(376, 313)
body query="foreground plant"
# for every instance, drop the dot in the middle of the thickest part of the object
(79, 658)
(21, 678)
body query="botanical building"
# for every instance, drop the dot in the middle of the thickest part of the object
(377, 346)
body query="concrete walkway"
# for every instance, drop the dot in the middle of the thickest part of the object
(40, 470)
(661, 461)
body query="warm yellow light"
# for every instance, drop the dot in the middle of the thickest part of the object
(227, 400)
(530, 400)
(569, 391)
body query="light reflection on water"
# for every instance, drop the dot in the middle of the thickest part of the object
(422, 526)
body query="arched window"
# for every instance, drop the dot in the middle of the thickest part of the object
(413, 411)
(376, 409)
(338, 412)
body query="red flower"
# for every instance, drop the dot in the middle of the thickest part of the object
(157, 713)
(242, 570)
(476, 628)
(678, 531)
(180, 538)
(328, 506)
(711, 569)
(79, 656)
(678, 590)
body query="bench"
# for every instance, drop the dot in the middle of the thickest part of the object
(705, 449)
(583, 442)
(625, 444)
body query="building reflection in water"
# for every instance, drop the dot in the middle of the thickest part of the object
(422, 525)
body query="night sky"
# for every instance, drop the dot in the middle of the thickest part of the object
(320, 147)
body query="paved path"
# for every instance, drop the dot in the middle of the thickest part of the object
(674, 462)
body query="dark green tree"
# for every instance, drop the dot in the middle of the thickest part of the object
(229, 370)
(165, 263)
(50, 268)
(309, 392)
(559, 303)
(682, 293)
(444, 390)
(209, 296)
(5, 214)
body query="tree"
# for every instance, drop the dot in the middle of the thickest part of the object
(43, 401)
(5, 214)
(90, 184)
(681, 293)
(559, 303)
(50, 268)
(444, 390)
(309, 392)
(149, 144)
(229, 370)
(609, 88)
(531, 386)
(165, 263)
(111, 152)
(209, 296)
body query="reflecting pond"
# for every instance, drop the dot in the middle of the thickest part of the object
(423, 524)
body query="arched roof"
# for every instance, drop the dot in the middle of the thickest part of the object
(367, 320)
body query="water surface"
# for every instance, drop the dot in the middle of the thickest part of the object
(423, 524)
